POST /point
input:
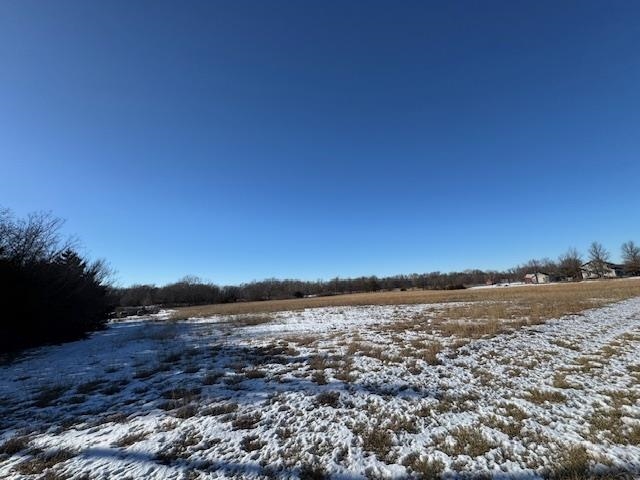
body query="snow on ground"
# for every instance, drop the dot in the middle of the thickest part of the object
(346, 392)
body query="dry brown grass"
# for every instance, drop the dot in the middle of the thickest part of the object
(586, 363)
(15, 445)
(621, 398)
(473, 328)
(515, 412)
(130, 438)
(572, 465)
(424, 468)
(429, 352)
(510, 427)
(42, 461)
(608, 422)
(179, 449)
(537, 302)
(633, 368)
(251, 443)
(345, 370)
(565, 344)
(49, 394)
(181, 400)
(609, 351)
(89, 387)
(331, 399)
(560, 381)
(220, 409)
(540, 397)
(376, 440)
(247, 421)
(469, 440)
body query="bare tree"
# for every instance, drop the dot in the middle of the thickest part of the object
(631, 258)
(569, 264)
(545, 265)
(36, 238)
(598, 257)
(533, 265)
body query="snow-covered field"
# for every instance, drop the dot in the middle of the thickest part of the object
(344, 392)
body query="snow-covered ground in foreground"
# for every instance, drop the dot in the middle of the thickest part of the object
(348, 392)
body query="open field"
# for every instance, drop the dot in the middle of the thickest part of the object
(491, 383)
(549, 300)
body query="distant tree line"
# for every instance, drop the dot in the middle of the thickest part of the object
(193, 291)
(49, 293)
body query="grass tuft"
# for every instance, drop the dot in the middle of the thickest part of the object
(246, 422)
(49, 394)
(469, 441)
(376, 440)
(573, 465)
(423, 468)
(330, 399)
(543, 396)
(43, 461)
(15, 445)
(130, 439)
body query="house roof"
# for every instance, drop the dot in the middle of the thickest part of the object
(614, 266)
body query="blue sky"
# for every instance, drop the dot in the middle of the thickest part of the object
(241, 140)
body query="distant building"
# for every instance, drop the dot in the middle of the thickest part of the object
(592, 270)
(535, 278)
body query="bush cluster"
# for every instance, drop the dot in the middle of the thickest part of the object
(48, 292)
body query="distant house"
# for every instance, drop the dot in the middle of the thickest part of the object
(536, 278)
(591, 270)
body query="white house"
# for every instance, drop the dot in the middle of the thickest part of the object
(536, 278)
(591, 270)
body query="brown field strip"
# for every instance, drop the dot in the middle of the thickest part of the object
(539, 301)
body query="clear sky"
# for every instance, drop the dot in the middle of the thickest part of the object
(240, 140)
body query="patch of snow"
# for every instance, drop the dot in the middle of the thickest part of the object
(212, 399)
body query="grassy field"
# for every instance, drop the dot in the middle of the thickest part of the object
(535, 302)
(423, 384)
